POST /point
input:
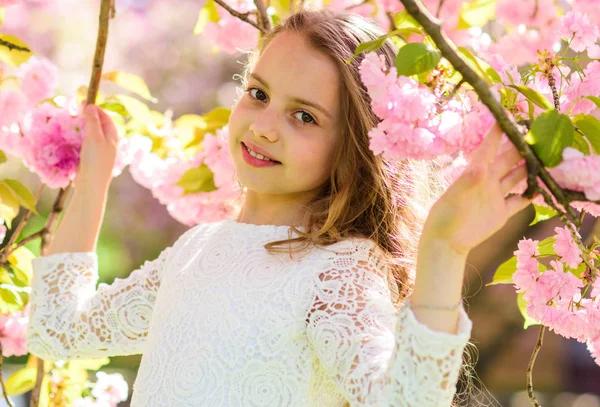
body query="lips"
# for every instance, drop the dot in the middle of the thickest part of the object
(245, 146)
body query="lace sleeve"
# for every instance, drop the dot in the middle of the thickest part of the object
(376, 355)
(70, 319)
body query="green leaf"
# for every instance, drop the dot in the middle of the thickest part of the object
(503, 274)
(580, 143)
(368, 46)
(482, 68)
(12, 56)
(416, 58)
(542, 213)
(191, 128)
(403, 19)
(131, 82)
(115, 107)
(594, 99)
(590, 127)
(476, 13)
(200, 179)
(21, 193)
(2, 157)
(533, 95)
(21, 381)
(550, 133)
(207, 13)
(12, 298)
(522, 305)
(20, 259)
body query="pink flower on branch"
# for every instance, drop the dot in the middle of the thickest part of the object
(577, 26)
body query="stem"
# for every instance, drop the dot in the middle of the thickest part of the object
(107, 10)
(8, 401)
(534, 165)
(439, 9)
(241, 16)
(12, 46)
(536, 350)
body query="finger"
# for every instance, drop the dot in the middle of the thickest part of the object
(486, 151)
(517, 203)
(108, 126)
(92, 122)
(511, 180)
(505, 162)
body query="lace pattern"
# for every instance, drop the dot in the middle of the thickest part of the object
(220, 322)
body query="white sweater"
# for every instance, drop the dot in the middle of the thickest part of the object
(220, 322)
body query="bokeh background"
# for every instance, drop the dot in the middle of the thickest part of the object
(154, 39)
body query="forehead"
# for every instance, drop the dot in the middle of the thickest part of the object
(293, 68)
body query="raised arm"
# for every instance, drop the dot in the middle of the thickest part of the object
(376, 355)
(70, 319)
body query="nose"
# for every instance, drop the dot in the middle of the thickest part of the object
(266, 124)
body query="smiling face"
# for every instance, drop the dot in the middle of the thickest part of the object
(290, 110)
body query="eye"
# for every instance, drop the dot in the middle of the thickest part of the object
(259, 94)
(305, 117)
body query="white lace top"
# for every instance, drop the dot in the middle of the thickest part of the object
(220, 322)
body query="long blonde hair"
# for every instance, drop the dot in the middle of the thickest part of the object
(366, 195)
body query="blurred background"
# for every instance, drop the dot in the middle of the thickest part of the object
(154, 39)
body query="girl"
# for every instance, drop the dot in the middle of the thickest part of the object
(225, 317)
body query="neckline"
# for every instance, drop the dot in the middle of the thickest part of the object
(255, 226)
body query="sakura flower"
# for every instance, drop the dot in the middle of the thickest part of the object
(577, 26)
(110, 387)
(38, 78)
(566, 248)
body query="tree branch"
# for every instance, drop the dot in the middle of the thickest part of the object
(241, 16)
(12, 46)
(506, 123)
(263, 17)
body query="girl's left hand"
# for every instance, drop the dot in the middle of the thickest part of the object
(474, 207)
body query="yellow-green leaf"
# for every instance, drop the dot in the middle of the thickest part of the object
(131, 82)
(21, 259)
(590, 127)
(542, 213)
(482, 68)
(12, 56)
(549, 134)
(9, 206)
(207, 13)
(200, 179)
(2, 157)
(533, 95)
(88, 364)
(21, 381)
(503, 274)
(21, 193)
(476, 13)
(136, 109)
(522, 304)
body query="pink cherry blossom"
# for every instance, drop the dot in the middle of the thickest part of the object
(6, 3)
(579, 172)
(111, 388)
(38, 78)
(54, 138)
(230, 34)
(13, 105)
(13, 332)
(533, 13)
(577, 26)
(566, 248)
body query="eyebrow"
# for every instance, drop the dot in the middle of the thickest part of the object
(297, 100)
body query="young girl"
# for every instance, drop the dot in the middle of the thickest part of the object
(230, 315)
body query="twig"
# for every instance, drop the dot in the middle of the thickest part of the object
(241, 16)
(106, 7)
(536, 8)
(12, 46)
(536, 350)
(507, 124)
(8, 401)
(439, 9)
(263, 17)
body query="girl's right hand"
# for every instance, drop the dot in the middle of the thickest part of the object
(98, 151)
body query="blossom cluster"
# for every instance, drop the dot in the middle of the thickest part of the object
(108, 391)
(554, 297)
(13, 332)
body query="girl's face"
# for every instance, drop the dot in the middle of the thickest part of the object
(290, 110)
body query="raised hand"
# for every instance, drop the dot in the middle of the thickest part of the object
(475, 206)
